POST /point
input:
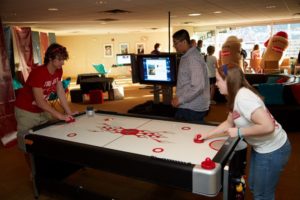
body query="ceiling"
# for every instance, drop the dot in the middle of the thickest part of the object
(77, 17)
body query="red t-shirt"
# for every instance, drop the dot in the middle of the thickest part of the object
(38, 78)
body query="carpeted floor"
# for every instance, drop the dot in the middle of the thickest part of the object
(15, 183)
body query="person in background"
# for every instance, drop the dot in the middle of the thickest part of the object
(199, 45)
(297, 65)
(31, 106)
(192, 90)
(212, 64)
(244, 56)
(244, 53)
(249, 119)
(156, 49)
(255, 53)
(255, 59)
(193, 43)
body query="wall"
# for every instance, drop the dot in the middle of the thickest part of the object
(88, 49)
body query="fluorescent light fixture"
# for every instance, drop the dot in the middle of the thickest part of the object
(270, 6)
(194, 14)
(53, 9)
(217, 12)
(100, 2)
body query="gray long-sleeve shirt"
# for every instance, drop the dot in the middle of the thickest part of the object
(192, 87)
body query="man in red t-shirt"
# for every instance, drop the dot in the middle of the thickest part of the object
(32, 107)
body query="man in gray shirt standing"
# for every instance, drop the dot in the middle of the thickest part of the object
(192, 90)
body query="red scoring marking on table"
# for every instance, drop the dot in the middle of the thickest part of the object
(108, 119)
(129, 131)
(72, 134)
(216, 144)
(157, 136)
(158, 150)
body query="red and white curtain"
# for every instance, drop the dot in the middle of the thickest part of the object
(44, 41)
(23, 41)
(7, 95)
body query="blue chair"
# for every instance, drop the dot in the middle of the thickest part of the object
(101, 69)
(53, 98)
(16, 84)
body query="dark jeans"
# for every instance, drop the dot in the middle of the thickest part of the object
(265, 170)
(190, 115)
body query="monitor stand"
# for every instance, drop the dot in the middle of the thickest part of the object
(155, 107)
(167, 94)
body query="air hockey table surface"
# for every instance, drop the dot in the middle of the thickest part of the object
(165, 149)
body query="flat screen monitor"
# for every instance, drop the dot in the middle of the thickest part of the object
(124, 59)
(157, 69)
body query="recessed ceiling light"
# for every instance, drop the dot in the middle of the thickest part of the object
(217, 12)
(270, 6)
(194, 14)
(53, 9)
(100, 2)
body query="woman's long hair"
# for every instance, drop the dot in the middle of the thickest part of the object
(235, 80)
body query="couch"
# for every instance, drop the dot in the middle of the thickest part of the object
(281, 95)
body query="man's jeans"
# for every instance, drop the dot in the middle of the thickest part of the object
(190, 115)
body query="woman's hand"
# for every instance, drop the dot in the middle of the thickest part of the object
(208, 135)
(204, 136)
(232, 132)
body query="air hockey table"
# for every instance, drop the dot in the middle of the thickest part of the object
(146, 148)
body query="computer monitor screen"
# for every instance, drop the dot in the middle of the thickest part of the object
(124, 59)
(157, 69)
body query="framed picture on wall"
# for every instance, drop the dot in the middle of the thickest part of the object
(108, 50)
(140, 48)
(124, 48)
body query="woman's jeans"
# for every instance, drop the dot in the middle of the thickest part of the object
(265, 171)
